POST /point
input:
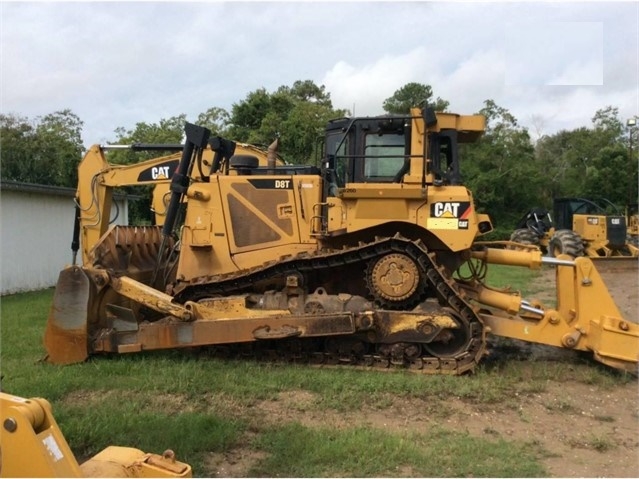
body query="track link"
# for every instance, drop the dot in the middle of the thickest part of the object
(460, 355)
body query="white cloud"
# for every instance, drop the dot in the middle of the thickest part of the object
(577, 73)
(477, 78)
(366, 87)
(554, 53)
(116, 64)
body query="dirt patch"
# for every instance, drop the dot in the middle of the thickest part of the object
(622, 279)
(234, 463)
(584, 431)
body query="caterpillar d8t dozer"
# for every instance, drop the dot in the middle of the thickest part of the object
(352, 261)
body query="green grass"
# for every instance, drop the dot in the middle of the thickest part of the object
(192, 435)
(515, 278)
(295, 450)
(200, 406)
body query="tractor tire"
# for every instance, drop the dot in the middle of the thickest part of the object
(566, 242)
(524, 236)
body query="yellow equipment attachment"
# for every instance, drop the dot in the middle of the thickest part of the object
(32, 445)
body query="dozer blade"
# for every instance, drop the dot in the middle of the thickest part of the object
(65, 337)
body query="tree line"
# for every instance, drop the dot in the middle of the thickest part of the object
(506, 170)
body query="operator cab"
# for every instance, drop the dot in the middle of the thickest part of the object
(367, 150)
(378, 150)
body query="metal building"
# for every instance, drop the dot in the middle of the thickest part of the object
(36, 227)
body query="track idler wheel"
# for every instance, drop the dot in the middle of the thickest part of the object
(450, 342)
(394, 281)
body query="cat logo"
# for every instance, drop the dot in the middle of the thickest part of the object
(160, 171)
(445, 210)
(450, 209)
(449, 215)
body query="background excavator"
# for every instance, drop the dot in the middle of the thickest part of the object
(370, 258)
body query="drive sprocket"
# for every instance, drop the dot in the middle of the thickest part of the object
(394, 281)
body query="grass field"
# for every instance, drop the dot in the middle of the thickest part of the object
(200, 407)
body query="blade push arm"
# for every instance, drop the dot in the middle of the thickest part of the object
(586, 317)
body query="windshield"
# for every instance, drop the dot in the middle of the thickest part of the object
(384, 156)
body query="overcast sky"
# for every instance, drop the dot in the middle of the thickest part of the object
(115, 64)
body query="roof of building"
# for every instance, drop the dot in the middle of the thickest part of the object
(21, 186)
(12, 185)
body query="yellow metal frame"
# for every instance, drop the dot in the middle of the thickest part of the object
(32, 445)
(586, 317)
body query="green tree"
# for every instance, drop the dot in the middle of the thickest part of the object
(589, 162)
(247, 115)
(413, 95)
(308, 91)
(613, 173)
(612, 176)
(563, 161)
(167, 130)
(46, 150)
(297, 115)
(607, 123)
(500, 169)
(59, 142)
(16, 137)
(215, 119)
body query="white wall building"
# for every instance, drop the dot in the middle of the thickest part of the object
(36, 228)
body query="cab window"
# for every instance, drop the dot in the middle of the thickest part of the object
(383, 156)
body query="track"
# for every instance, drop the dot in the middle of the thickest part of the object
(355, 266)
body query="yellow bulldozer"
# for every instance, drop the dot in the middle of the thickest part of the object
(355, 260)
(592, 227)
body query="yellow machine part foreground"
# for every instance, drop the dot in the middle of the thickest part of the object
(32, 445)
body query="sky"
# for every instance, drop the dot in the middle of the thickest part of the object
(552, 65)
